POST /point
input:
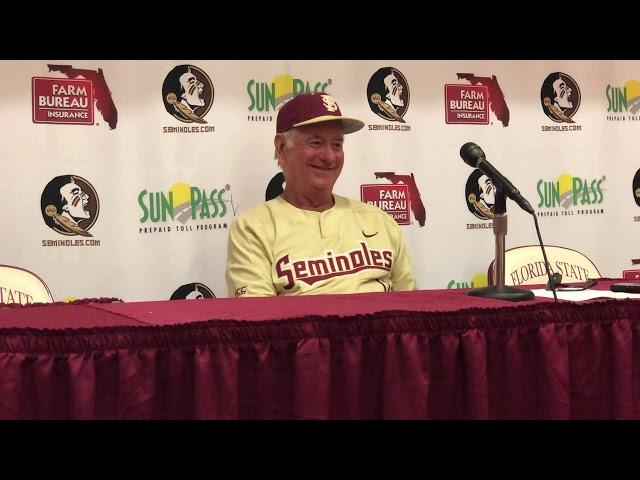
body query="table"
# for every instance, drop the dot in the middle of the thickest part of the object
(428, 354)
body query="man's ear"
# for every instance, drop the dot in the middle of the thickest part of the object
(279, 142)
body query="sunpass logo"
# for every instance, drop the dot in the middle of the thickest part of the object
(267, 97)
(621, 100)
(478, 280)
(569, 191)
(188, 208)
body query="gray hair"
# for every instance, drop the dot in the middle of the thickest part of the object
(288, 139)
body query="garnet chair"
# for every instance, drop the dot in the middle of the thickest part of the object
(18, 285)
(525, 265)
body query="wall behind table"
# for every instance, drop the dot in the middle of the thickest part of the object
(233, 153)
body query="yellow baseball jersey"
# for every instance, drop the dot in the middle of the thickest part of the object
(278, 249)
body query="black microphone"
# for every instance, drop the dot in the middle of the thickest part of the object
(473, 156)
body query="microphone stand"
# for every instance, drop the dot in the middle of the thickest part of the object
(500, 290)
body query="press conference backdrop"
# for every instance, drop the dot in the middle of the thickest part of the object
(121, 178)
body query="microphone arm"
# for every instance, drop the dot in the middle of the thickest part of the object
(473, 156)
(509, 189)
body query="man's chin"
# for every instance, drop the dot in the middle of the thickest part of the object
(322, 181)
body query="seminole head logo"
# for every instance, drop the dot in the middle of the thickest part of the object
(480, 195)
(636, 187)
(560, 97)
(388, 94)
(70, 205)
(192, 291)
(187, 93)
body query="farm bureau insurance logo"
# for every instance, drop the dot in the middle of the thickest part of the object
(187, 94)
(69, 205)
(266, 97)
(192, 291)
(70, 100)
(623, 100)
(388, 97)
(397, 199)
(560, 99)
(569, 194)
(470, 103)
(185, 208)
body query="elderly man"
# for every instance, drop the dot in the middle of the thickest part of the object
(310, 240)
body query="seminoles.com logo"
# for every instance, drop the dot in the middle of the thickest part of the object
(60, 100)
(315, 270)
(388, 94)
(470, 103)
(480, 195)
(560, 97)
(70, 205)
(397, 199)
(187, 93)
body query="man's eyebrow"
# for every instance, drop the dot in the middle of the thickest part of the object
(316, 136)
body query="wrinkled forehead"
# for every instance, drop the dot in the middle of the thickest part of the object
(331, 129)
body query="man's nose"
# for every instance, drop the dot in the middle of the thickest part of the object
(328, 154)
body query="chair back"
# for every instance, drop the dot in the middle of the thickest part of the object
(18, 285)
(525, 265)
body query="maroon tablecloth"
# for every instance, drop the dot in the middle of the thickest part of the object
(423, 354)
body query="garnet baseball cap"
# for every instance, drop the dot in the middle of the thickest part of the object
(310, 108)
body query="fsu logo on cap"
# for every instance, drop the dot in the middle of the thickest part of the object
(329, 103)
(311, 108)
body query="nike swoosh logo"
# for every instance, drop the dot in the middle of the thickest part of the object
(369, 236)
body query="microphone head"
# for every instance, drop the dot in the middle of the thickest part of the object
(471, 154)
